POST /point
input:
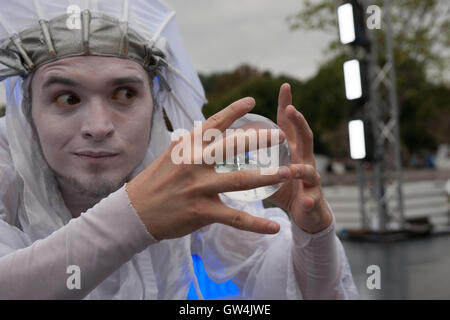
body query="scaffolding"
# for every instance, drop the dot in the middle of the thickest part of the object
(380, 180)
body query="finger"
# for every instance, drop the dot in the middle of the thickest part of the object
(305, 172)
(224, 118)
(304, 135)
(241, 142)
(309, 202)
(284, 100)
(246, 179)
(285, 96)
(243, 221)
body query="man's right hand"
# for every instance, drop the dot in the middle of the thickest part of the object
(174, 200)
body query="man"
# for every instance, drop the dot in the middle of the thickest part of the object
(89, 189)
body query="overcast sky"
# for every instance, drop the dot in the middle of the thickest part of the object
(222, 34)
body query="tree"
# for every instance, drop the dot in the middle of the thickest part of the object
(421, 36)
(421, 29)
(225, 88)
(316, 99)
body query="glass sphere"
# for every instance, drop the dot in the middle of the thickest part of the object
(267, 159)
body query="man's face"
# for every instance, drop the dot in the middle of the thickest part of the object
(86, 107)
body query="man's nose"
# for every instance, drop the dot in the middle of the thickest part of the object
(98, 124)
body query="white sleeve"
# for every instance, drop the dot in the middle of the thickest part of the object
(98, 242)
(321, 266)
(267, 266)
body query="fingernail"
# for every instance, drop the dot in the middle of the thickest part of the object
(272, 227)
(250, 101)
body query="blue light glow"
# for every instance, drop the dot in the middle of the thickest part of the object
(209, 288)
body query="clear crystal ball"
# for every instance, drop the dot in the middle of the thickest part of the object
(268, 159)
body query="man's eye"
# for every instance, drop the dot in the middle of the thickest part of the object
(68, 99)
(124, 95)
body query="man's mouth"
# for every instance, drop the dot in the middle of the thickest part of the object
(96, 156)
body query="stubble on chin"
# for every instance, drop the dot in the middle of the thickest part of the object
(96, 187)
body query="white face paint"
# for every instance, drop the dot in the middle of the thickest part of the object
(92, 104)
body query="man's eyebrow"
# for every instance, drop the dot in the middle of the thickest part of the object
(69, 82)
(60, 80)
(125, 80)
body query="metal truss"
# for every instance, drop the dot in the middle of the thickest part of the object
(381, 180)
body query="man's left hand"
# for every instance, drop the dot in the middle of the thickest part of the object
(301, 195)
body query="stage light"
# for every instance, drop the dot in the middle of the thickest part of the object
(352, 78)
(357, 139)
(346, 23)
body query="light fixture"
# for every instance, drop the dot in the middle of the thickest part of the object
(346, 23)
(357, 139)
(352, 78)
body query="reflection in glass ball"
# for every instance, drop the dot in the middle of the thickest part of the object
(267, 159)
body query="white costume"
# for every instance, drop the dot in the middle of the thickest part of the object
(117, 257)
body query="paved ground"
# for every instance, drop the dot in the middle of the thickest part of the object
(408, 175)
(413, 269)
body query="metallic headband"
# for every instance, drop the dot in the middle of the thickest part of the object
(97, 34)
